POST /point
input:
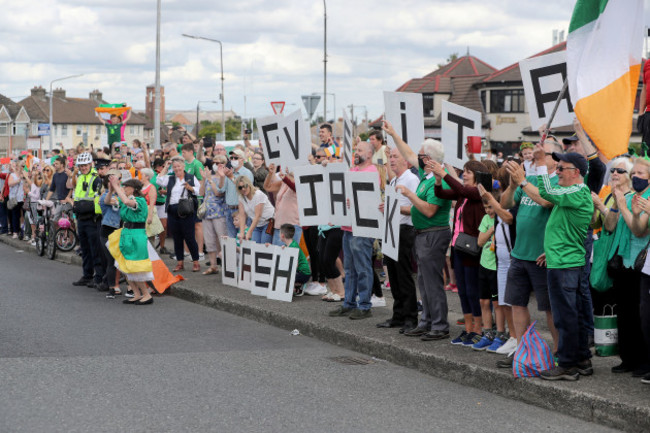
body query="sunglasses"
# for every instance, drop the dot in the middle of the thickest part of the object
(318, 157)
(561, 169)
(234, 158)
(618, 170)
(240, 187)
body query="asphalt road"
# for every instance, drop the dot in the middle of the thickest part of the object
(73, 361)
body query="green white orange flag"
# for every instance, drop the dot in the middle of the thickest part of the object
(604, 48)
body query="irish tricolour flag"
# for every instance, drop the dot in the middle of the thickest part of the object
(603, 65)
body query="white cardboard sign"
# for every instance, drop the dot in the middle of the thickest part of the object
(245, 268)
(338, 213)
(312, 189)
(458, 123)
(365, 197)
(391, 228)
(543, 78)
(285, 264)
(262, 268)
(285, 140)
(229, 261)
(405, 112)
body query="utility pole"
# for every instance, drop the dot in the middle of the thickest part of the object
(325, 61)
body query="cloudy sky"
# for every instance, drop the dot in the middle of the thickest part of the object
(272, 50)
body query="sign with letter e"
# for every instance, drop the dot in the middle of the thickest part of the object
(404, 111)
(458, 123)
(543, 77)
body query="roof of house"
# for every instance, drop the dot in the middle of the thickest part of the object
(12, 107)
(69, 110)
(512, 73)
(439, 81)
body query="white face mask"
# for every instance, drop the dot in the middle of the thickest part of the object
(234, 163)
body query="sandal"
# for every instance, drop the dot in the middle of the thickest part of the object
(179, 267)
(335, 298)
(210, 271)
(327, 295)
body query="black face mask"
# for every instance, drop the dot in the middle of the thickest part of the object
(639, 184)
(421, 163)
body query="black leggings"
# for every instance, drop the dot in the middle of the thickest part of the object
(311, 240)
(329, 248)
(182, 230)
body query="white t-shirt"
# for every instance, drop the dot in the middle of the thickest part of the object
(410, 181)
(178, 189)
(502, 250)
(249, 207)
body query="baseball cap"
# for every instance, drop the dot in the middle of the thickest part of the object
(238, 152)
(578, 161)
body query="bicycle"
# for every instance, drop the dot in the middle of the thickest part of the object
(44, 230)
(65, 235)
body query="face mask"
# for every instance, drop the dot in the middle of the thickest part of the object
(235, 163)
(639, 184)
(421, 163)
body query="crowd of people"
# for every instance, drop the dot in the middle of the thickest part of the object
(494, 232)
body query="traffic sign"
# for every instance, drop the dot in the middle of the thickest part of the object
(43, 129)
(278, 107)
(311, 103)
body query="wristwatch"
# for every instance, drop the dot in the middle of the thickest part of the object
(523, 183)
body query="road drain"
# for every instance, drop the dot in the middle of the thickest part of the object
(351, 360)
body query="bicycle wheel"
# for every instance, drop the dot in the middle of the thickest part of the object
(66, 239)
(51, 245)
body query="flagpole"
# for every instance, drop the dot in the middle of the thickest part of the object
(557, 104)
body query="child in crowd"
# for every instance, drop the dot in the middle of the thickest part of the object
(303, 273)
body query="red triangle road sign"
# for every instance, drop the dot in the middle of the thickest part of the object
(278, 107)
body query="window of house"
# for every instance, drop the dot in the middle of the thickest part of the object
(427, 104)
(19, 129)
(98, 130)
(79, 130)
(64, 130)
(4, 128)
(507, 101)
(131, 129)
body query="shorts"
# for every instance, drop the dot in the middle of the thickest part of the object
(523, 277)
(160, 210)
(487, 284)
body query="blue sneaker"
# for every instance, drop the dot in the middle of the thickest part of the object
(496, 343)
(459, 340)
(483, 343)
(471, 339)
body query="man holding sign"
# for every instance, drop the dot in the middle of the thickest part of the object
(400, 273)
(430, 216)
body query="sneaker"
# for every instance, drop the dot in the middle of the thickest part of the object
(129, 294)
(15, 236)
(454, 289)
(560, 373)
(82, 282)
(461, 321)
(585, 368)
(33, 243)
(483, 343)
(506, 362)
(646, 379)
(111, 293)
(459, 340)
(496, 343)
(471, 339)
(340, 311)
(509, 346)
(315, 289)
(201, 256)
(358, 314)
(298, 291)
(163, 250)
(377, 302)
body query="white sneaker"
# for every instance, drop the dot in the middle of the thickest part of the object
(508, 347)
(377, 302)
(201, 256)
(315, 289)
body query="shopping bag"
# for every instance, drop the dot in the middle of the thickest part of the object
(606, 332)
(532, 355)
(599, 278)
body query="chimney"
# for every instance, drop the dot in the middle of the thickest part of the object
(96, 95)
(38, 92)
(59, 93)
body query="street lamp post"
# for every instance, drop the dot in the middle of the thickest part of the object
(51, 105)
(223, 117)
(197, 115)
(325, 62)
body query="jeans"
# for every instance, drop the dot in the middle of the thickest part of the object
(230, 226)
(568, 315)
(91, 260)
(4, 222)
(296, 236)
(358, 271)
(260, 236)
(585, 293)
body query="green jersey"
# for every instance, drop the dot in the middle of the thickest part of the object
(114, 132)
(531, 223)
(194, 168)
(160, 198)
(303, 264)
(425, 192)
(488, 257)
(564, 241)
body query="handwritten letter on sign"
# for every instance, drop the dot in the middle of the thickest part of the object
(458, 123)
(404, 111)
(285, 141)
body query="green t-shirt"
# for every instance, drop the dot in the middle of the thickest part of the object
(531, 223)
(303, 264)
(160, 198)
(564, 241)
(194, 168)
(488, 258)
(425, 191)
(114, 132)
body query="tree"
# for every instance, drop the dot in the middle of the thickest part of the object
(452, 58)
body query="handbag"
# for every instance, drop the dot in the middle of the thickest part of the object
(270, 226)
(12, 203)
(599, 275)
(155, 228)
(639, 262)
(606, 332)
(202, 210)
(532, 355)
(467, 244)
(185, 206)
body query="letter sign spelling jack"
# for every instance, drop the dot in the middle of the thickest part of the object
(311, 190)
(367, 220)
(390, 239)
(404, 111)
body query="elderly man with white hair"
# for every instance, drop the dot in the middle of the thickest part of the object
(430, 217)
